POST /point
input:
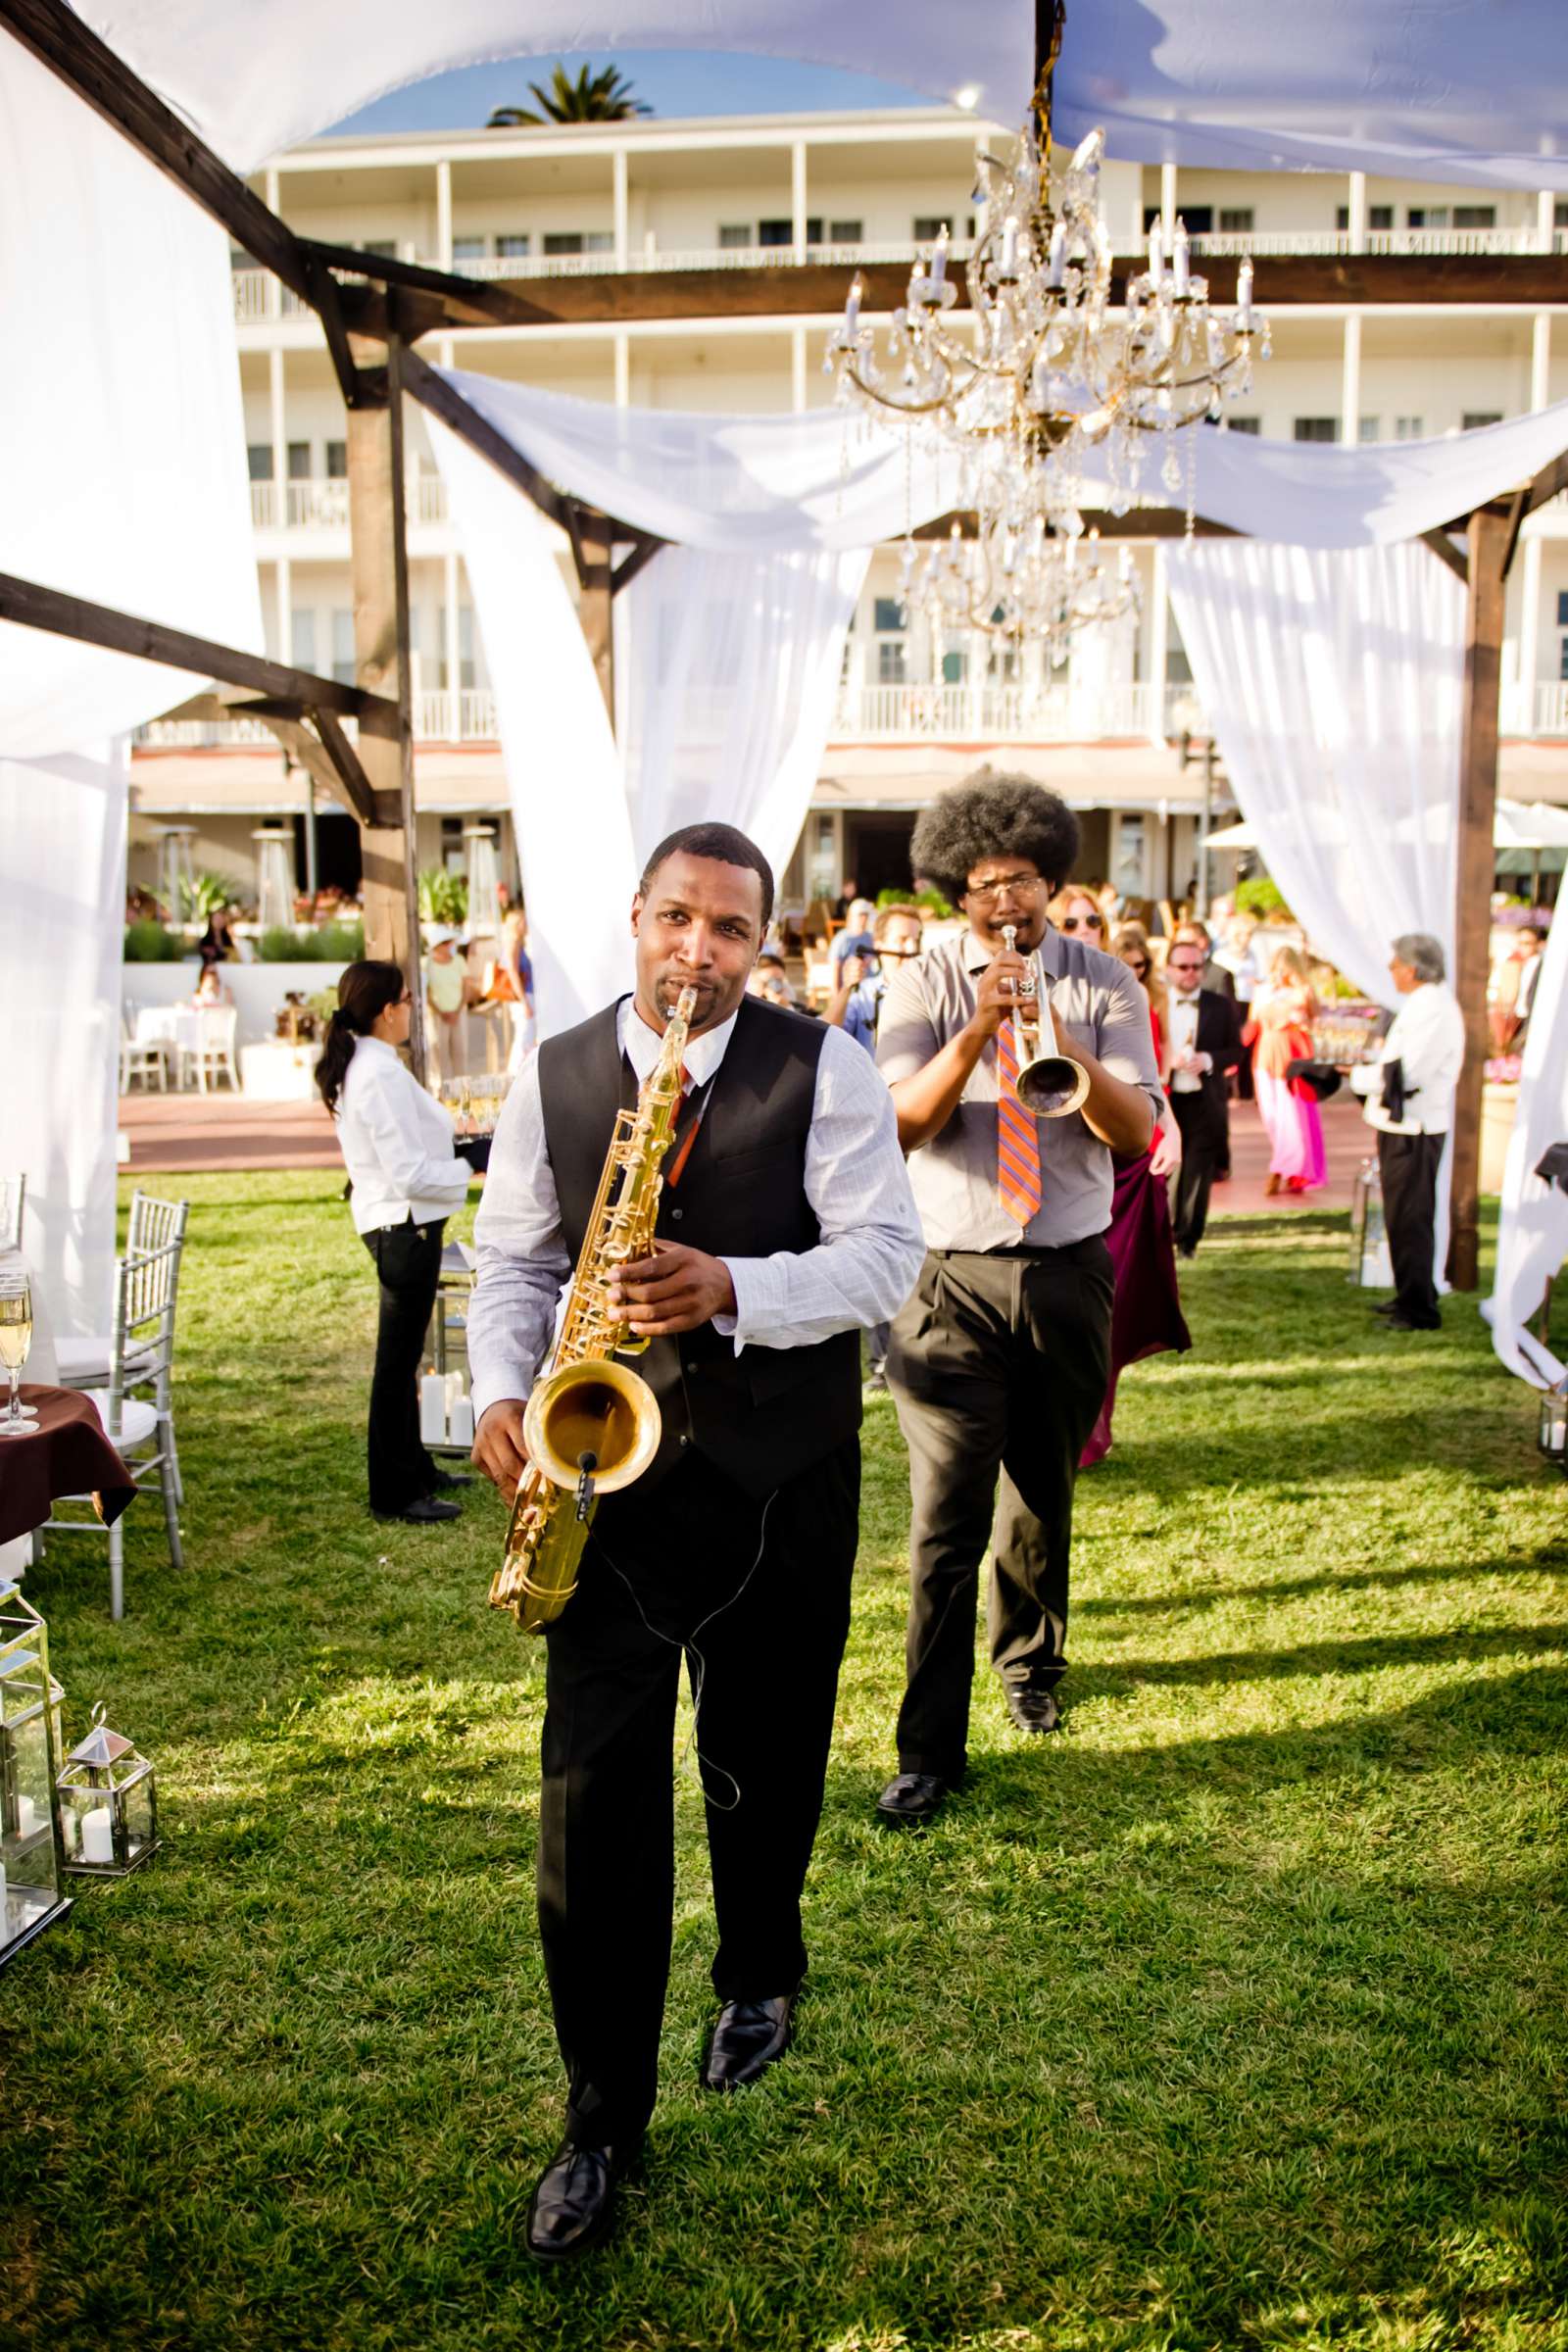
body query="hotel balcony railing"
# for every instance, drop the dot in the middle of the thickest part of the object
(982, 710)
(323, 506)
(259, 297)
(1538, 712)
(468, 717)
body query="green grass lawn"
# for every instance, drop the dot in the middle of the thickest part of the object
(1232, 2016)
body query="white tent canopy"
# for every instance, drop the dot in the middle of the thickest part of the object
(1520, 825)
(1463, 91)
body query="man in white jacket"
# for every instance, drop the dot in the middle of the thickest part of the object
(1409, 1095)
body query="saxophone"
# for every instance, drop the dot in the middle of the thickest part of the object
(592, 1425)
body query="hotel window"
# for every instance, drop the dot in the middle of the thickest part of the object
(1317, 428)
(1370, 428)
(846, 232)
(928, 226)
(1408, 428)
(1562, 608)
(782, 232)
(1242, 424)
(1378, 216)
(1427, 215)
(302, 636)
(513, 248)
(1237, 219)
(299, 461)
(734, 236)
(337, 461)
(954, 666)
(1474, 419)
(259, 458)
(576, 241)
(1560, 213)
(467, 248)
(1198, 218)
(343, 663)
(1475, 216)
(891, 644)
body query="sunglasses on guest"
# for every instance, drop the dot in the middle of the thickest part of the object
(1083, 922)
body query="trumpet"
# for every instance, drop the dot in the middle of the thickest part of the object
(1051, 1083)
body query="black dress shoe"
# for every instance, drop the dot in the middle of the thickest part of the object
(1032, 1709)
(1398, 1322)
(452, 1478)
(746, 2038)
(911, 1799)
(427, 1510)
(573, 2205)
(1387, 1306)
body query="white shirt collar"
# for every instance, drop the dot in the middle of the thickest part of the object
(640, 1044)
(1183, 1005)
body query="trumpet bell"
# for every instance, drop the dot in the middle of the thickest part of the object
(1052, 1086)
(598, 1407)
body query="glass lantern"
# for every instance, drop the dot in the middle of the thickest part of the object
(108, 1805)
(1552, 1435)
(1371, 1267)
(29, 1875)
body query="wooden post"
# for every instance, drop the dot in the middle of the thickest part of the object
(379, 560)
(1487, 537)
(594, 546)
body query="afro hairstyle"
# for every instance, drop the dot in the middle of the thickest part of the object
(993, 817)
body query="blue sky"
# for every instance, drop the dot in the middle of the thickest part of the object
(673, 82)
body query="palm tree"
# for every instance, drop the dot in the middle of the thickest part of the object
(602, 97)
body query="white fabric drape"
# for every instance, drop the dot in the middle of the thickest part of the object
(563, 771)
(726, 670)
(121, 435)
(62, 885)
(1332, 685)
(1532, 1227)
(1462, 91)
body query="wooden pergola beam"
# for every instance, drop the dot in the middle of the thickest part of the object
(1139, 522)
(1475, 864)
(32, 607)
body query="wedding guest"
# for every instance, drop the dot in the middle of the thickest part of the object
(1146, 1316)
(218, 944)
(445, 995)
(1517, 978)
(210, 989)
(861, 983)
(769, 979)
(1205, 1043)
(1075, 912)
(405, 1180)
(1410, 1091)
(1282, 1032)
(856, 938)
(1238, 954)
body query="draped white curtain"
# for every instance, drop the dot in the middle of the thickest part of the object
(1466, 89)
(726, 671)
(1532, 1229)
(1333, 684)
(62, 889)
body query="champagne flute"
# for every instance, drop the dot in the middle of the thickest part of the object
(15, 1339)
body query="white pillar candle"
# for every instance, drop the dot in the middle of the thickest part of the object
(98, 1835)
(939, 257)
(1058, 253)
(432, 1409)
(460, 1427)
(1009, 248)
(1181, 255)
(453, 1390)
(26, 1817)
(1244, 295)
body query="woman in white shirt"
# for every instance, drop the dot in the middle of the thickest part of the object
(406, 1179)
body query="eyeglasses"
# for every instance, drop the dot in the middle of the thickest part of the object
(1022, 886)
(1083, 922)
(1135, 963)
(1184, 963)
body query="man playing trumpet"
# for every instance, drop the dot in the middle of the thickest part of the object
(785, 1225)
(999, 1359)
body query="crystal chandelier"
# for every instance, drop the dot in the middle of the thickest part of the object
(1036, 586)
(1046, 369)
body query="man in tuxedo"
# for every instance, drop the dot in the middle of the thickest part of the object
(1206, 1038)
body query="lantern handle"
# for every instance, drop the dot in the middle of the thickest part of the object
(99, 1714)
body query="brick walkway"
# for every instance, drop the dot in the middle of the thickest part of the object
(172, 1133)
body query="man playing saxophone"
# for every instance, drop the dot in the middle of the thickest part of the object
(786, 1224)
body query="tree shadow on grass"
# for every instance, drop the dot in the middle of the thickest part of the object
(1268, 1593)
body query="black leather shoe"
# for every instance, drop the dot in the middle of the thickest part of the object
(746, 2038)
(452, 1478)
(1032, 1709)
(573, 2206)
(911, 1799)
(428, 1511)
(1408, 1323)
(1387, 1306)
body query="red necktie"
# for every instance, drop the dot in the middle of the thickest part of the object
(1017, 1135)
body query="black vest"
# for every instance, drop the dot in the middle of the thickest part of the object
(767, 1414)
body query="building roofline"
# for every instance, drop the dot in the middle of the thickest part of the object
(642, 131)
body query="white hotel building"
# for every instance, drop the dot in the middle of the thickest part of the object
(657, 195)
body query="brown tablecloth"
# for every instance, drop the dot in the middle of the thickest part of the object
(67, 1454)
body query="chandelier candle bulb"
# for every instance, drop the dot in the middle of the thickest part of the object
(939, 258)
(1008, 267)
(1244, 296)
(1058, 254)
(852, 308)
(1182, 258)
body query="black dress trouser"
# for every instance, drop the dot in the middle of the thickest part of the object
(407, 1262)
(1206, 1147)
(999, 1365)
(1408, 1165)
(754, 1593)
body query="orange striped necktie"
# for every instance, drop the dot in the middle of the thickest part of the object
(1017, 1135)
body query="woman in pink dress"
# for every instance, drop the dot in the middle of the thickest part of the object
(1281, 1032)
